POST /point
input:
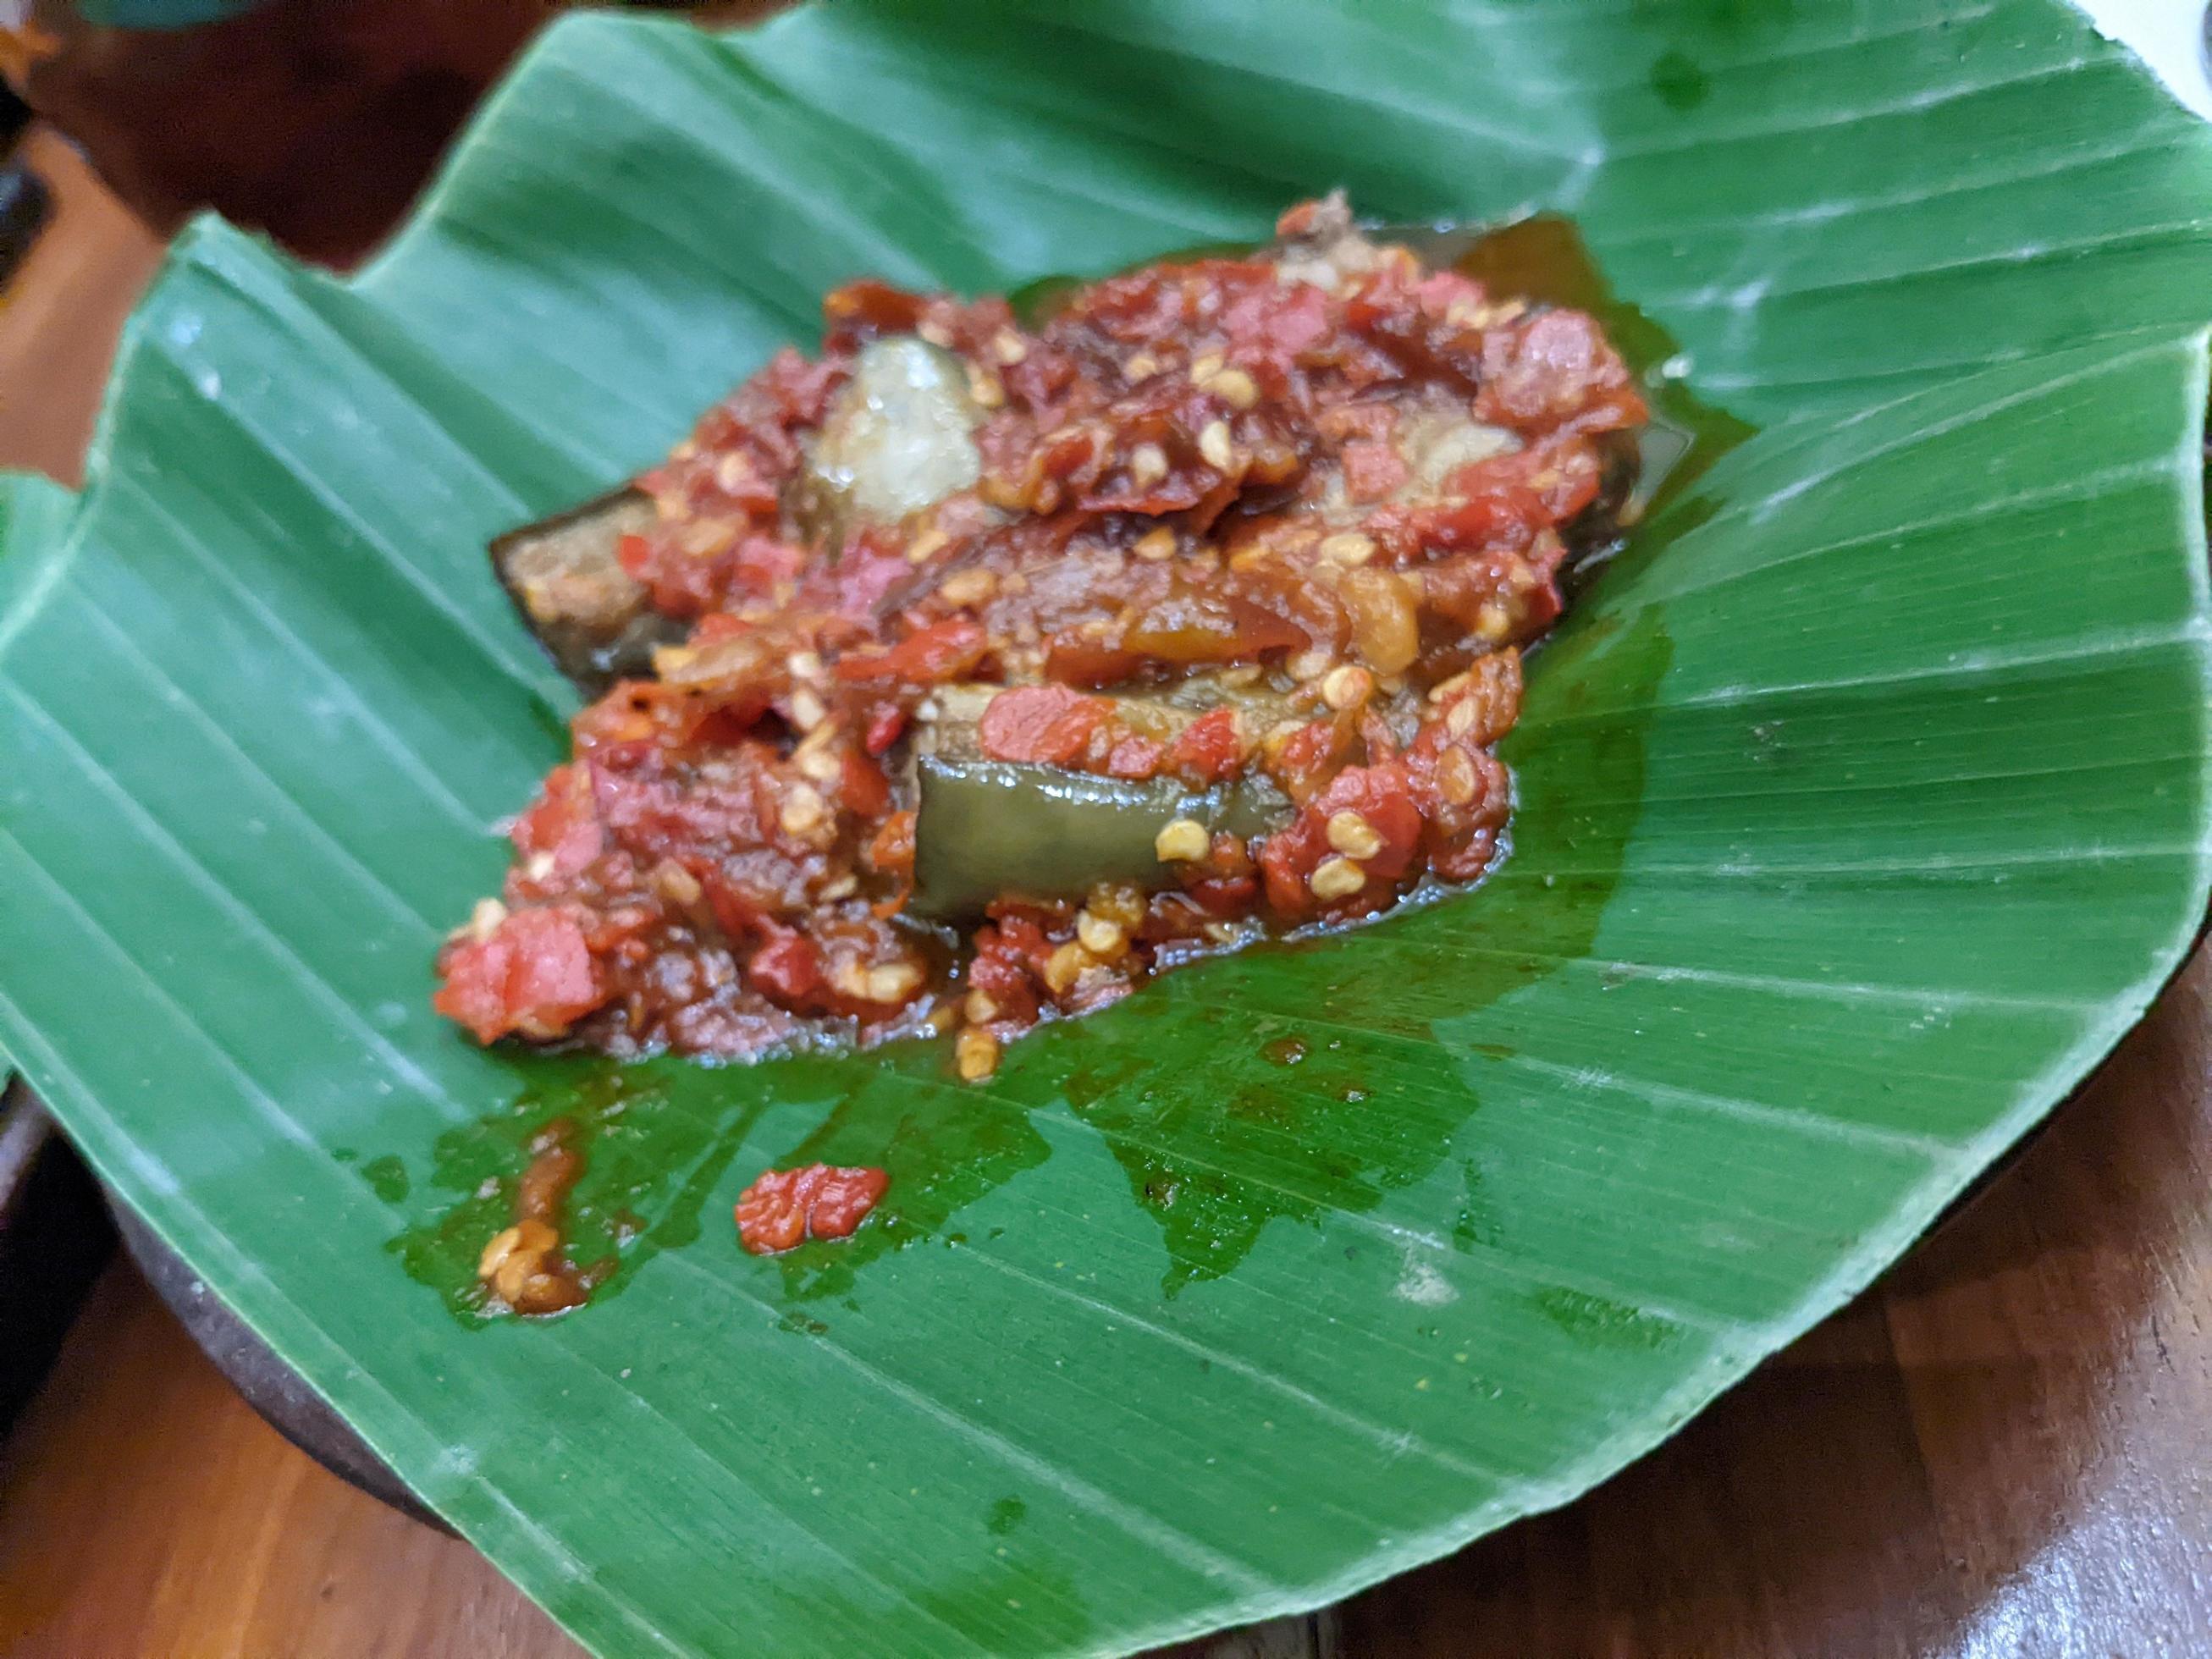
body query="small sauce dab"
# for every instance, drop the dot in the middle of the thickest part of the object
(818, 1201)
(525, 1266)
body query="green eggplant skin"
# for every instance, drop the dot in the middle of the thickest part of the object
(988, 829)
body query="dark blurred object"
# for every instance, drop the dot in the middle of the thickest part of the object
(315, 120)
(273, 1388)
(24, 208)
(14, 116)
(54, 1237)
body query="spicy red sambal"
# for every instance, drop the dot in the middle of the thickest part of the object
(972, 674)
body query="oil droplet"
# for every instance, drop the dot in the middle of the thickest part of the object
(386, 1177)
(1680, 84)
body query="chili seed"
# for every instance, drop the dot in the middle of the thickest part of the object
(1345, 686)
(1491, 622)
(1353, 836)
(976, 1055)
(807, 710)
(1204, 367)
(967, 588)
(1336, 879)
(1064, 967)
(1214, 447)
(1155, 545)
(803, 810)
(485, 920)
(673, 882)
(980, 1007)
(1235, 387)
(1008, 347)
(529, 1239)
(1456, 777)
(1148, 464)
(927, 546)
(1183, 842)
(893, 982)
(1460, 720)
(819, 764)
(1348, 547)
(1103, 939)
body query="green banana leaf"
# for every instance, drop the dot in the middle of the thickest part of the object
(1862, 807)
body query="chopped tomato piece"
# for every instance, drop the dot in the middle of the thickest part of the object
(783, 1207)
(1208, 749)
(532, 973)
(1048, 724)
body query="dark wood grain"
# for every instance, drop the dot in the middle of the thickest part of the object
(2003, 1449)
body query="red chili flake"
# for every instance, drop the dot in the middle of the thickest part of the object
(1208, 749)
(885, 722)
(560, 825)
(787, 968)
(862, 788)
(818, 1201)
(1049, 724)
(926, 657)
(890, 852)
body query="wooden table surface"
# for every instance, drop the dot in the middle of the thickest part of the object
(2001, 1450)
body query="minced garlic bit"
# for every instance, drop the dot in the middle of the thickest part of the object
(1183, 842)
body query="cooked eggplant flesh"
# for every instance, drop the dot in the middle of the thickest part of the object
(562, 574)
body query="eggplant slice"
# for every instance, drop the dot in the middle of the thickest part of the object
(986, 829)
(591, 618)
